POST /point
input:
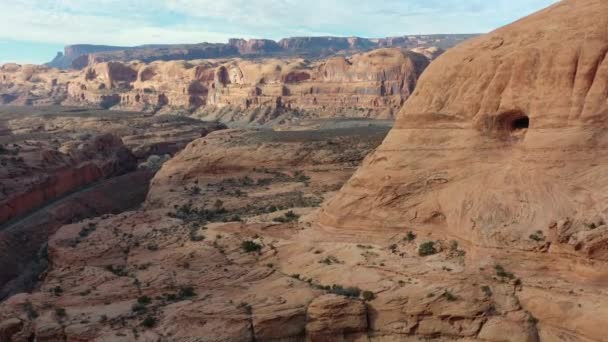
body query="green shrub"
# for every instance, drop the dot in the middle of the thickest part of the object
(352, 292)
(427, 248)
(251, 246)
(486, 289)
(449, 296)
(145, 300)
(149, 322)
(501, 272)
(60, 312)
(117, 270)
(139, 308)
(290, 216)
(410, 237)
(186, 292)
(368, 296)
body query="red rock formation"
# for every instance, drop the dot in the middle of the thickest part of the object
(502, 149)
(58, 173)
(379, 81)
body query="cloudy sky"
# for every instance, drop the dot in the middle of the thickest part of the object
(32, 31)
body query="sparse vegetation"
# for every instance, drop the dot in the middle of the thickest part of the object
(538, 236)
(449, 296)
(501, 272)
(87, 230)
(60, 312)
(187, 213)
(145, 300)
(245, 306)
(486, 289)
(427, 248)
(329, 260)
(410, 237)
(195, 236)
(289, 216)
(368, 296)
(149, 322)
(57, 291)
(117, 270)
(351, 292)
(365, 246)
(139, 308)
(186, 292)
(251, 246)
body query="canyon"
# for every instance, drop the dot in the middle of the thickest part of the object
(373, 84)
(387, 195)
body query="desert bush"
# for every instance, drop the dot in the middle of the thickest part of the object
(117, 270)
(449, 296)
(251, 246)
(368, 296)
(186, 292)
(60, 312)
(501, 272)
(410, 237)
(290, 216)
(351, 292)
(427, 248)
(149, 322)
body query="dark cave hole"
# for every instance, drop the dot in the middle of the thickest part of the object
(520, 123)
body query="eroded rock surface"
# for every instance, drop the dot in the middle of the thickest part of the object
(501, 149)
(373, 84)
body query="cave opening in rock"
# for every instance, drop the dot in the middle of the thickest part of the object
(520, 123)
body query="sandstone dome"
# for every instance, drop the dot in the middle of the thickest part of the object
(503, 138)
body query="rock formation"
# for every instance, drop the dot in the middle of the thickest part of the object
(481, 217)
(502, 149)
(373, 84)
(79, 56)
(380, 81)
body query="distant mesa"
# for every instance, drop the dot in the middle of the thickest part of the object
(81, 55)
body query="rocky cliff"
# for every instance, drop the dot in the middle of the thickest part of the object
(502, 149)
(371, 84)
(79, 56)
(380, 80)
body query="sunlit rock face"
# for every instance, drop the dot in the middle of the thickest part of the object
(502, 147)
(504, 136)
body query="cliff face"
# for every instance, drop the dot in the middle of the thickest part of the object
(502, 148)
(73, 52)
(79, 56)
(33, 179)
(380, 80)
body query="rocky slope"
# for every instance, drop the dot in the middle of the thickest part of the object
(79, 56)
(182, 263)
(502, 149)
(481, 217)
(373, 84)
(48, 152)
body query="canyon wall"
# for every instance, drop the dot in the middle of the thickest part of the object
(80, 56)
(503, 149)
(380, 80)
(33, 179)
(372, 84)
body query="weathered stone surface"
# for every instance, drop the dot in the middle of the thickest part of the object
(332, 317)
(502, 149)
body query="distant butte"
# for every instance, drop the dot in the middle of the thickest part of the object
(81, 55)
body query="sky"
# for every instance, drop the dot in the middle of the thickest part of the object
(32, 31)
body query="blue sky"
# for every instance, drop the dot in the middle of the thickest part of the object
(32, 31)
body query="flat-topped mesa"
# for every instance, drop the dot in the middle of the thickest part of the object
(380, 81)
(505, 136)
